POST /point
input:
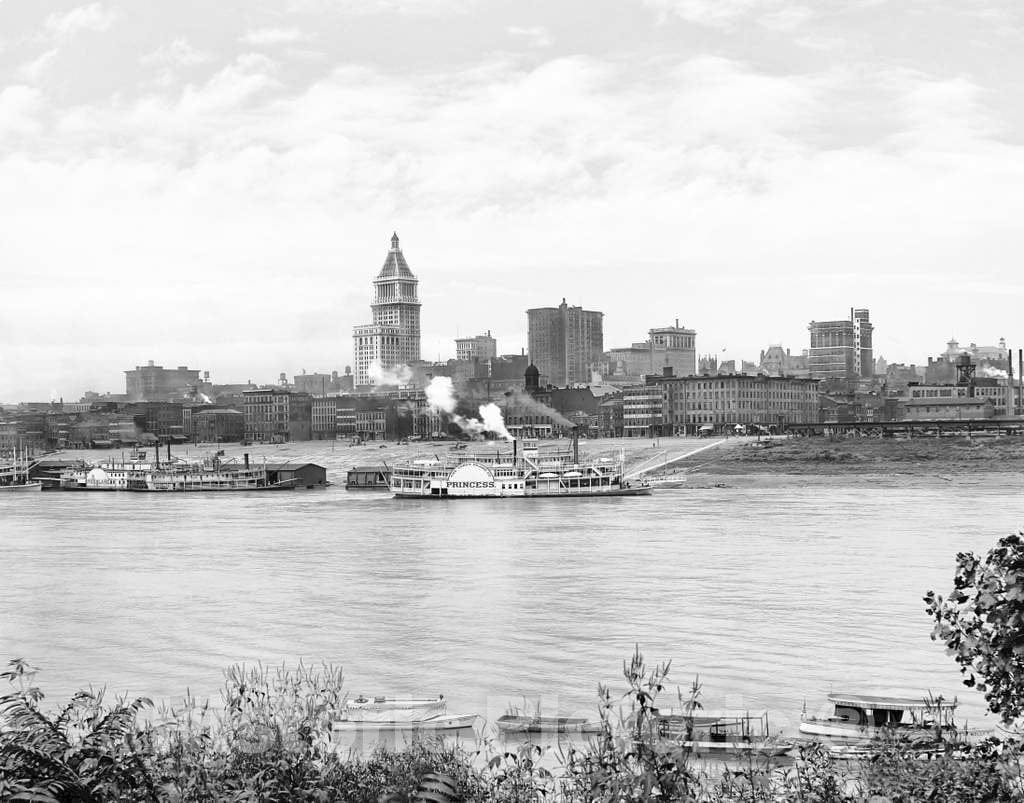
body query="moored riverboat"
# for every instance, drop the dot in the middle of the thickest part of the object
(14, 473)
(174, 475)
(368, 478)
(722, 734)
(867, 717)
(521, 470)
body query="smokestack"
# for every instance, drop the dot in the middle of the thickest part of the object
(576, 445)
(168, 451)
(1020, 380)
(1009, 381)
(246, 456)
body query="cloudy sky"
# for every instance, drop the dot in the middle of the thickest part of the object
(215, 184)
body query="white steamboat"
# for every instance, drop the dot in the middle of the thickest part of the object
(137, 474)
(523, 470)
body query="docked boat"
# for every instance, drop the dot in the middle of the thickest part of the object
(368, 478)
(14, 473)
(874, 717)
(395, 714)
(174, 475)
(519, 471)
(724, 734)
(524, 723)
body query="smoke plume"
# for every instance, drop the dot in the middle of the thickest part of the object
(441, 397)
(526, 404)
(993, 373)
(398, 375)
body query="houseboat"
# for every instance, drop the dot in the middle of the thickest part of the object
(873, 717)
(518, 470)
(397, 714)
(368, 478)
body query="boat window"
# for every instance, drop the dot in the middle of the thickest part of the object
(852, 715)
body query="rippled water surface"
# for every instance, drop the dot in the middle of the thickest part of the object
(772, 595)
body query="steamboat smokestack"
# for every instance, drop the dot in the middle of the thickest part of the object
(246, 456)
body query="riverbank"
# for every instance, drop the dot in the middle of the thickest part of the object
(935, 457)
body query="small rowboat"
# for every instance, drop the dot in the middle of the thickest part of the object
(385, 714)
(446, 722)
(517, 723)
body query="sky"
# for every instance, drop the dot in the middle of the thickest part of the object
(215, 184)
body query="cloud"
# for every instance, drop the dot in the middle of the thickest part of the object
(712, 13)
(178, 53)
(34, 70)
(93, 17)
(535, 36)
(675, 168)
(275, 36)
(20, 108)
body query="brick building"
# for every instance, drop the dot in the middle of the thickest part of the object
(277, 415)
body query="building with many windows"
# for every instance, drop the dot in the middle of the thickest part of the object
(480, 347)
(156, 383)
(842, 349)
(393, 338)
(277, 415)
(669, 405)
(565, 343)
(671, 346)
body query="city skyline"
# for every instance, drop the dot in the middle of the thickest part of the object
(211, 187)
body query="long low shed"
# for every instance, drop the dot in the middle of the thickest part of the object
(297, 475)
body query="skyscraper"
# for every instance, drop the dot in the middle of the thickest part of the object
(393, 339)
(565, 343)
(842, 349)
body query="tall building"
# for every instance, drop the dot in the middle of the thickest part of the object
(842, 349)
(393, 338)
(481, 347)
(156, 383)
(565, 343)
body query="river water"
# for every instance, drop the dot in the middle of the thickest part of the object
(774, 595)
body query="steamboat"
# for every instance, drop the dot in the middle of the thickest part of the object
(522, 470)
(14, 473)
(138, 474)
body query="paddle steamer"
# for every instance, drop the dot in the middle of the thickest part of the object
(519, 471)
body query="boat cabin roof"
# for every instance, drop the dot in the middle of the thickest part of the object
(885, 703)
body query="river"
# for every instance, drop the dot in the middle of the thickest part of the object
(773, 595)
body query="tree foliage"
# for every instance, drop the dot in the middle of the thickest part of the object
(981, 623)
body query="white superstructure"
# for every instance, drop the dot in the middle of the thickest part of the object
(522, 470)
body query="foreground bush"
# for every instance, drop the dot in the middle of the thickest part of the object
(270, 738)
(269, 741)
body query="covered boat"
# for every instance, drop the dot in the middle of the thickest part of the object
(866, 716)
(726, 733)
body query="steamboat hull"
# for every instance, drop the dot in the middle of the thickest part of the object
(640, 491)
(27, 487)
